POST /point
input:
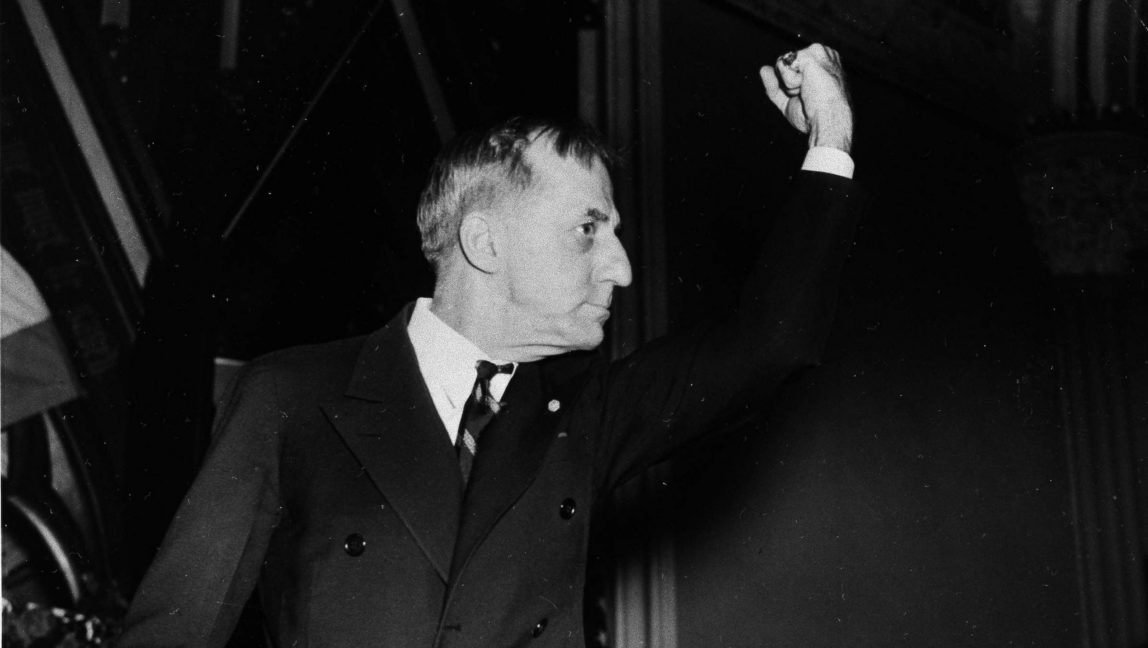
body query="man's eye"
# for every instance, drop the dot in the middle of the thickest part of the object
(588, 228)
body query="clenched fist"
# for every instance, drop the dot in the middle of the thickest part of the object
(808, 86)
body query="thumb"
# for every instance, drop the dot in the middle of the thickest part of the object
(773, 87)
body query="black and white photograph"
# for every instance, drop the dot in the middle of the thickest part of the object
(581, 323)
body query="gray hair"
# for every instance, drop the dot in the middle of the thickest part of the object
(478, 169)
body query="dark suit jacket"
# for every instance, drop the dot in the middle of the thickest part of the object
(332, 484)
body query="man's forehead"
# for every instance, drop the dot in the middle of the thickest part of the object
(542, 150)
(555, 171)
(577, 189)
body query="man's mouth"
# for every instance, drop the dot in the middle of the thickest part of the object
(600, 310)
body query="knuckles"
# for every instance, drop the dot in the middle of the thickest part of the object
(819, 55)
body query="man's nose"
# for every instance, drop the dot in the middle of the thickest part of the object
(615, 266)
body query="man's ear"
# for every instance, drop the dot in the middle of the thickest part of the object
(477, 240)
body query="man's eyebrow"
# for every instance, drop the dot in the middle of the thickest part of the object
(598, 215)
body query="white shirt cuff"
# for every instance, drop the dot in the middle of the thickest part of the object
(828, 160)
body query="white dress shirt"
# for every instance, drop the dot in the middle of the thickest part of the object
(446, 361)
(828, 160)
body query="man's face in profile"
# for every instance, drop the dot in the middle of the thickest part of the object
(564, 258)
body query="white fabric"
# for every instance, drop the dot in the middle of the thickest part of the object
(828, 160)
(36, 373)
(446, 361)
(20, 304)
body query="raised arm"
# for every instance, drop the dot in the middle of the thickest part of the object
(684, 386)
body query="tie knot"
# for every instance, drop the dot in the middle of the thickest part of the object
(486, 370)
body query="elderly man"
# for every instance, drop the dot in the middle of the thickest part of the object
(431, 483)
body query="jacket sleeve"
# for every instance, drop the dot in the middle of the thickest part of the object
(209, 561)
(678, 388)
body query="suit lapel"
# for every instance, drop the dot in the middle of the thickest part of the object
(509, 455)
(389, 422)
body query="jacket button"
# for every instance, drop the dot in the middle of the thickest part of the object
(539, 628)
(354, 545)
(567, 508)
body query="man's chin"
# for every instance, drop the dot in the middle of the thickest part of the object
(585, 338)
(591, 340)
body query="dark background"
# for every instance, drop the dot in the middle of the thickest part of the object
(931, 483)
(912, 490)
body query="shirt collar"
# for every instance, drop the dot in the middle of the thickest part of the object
(446, 358)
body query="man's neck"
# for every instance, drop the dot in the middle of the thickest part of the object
(489, 325)
(463, 311)
(492, 322)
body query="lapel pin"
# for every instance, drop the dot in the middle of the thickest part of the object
(553, 405)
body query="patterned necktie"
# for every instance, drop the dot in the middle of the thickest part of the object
(480, 407)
